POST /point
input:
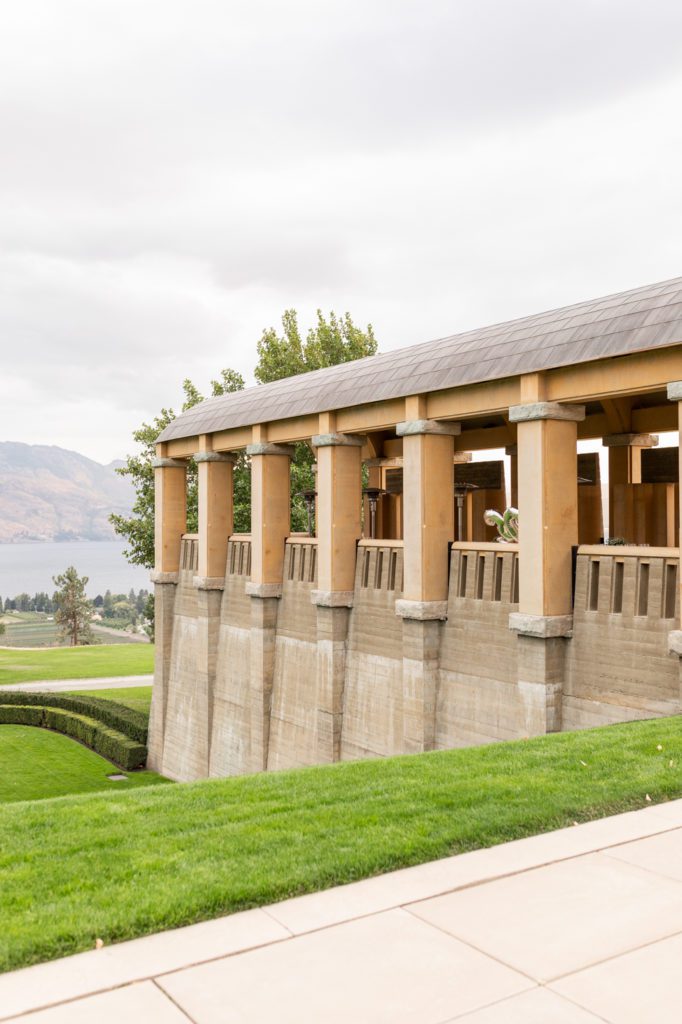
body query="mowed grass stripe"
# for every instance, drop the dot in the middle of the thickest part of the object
(123, 865)
(76, 663)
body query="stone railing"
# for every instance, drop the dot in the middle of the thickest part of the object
(380, 565)
(300, 559)
(239, 555)
(638, 582)
(485, 572)
(189, 552)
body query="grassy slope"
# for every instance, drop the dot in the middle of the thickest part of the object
(36, 764)
(76, 662)
(137, 697)
(127, 864)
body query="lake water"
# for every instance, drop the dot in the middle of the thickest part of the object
(29, 568)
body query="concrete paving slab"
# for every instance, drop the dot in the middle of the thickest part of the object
(539, 1006)
(661, 854)
(133, 1004)
(388, 969)
(45, 984)
(641, 987)
(558, 919)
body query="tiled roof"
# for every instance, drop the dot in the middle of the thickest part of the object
(632, 321)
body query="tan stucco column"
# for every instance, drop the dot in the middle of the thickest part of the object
(170, 522)
(215, 486)
(675, 636)
(339, 504)
(625, 462)
(429, 529)
(270, 526)
(548, 531)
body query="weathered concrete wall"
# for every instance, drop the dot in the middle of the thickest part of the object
(617, 665)
(185, 745)
(230, 733)
(293, 718)
(372, 714)
(478, 696)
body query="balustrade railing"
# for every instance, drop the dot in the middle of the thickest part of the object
(485, 571)
(632, 581)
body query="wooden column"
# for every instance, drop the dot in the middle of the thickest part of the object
(339, 503)
(170, 511)
(548, 531)
(675, 636)
(429, 528)
(216, 511)
(625, 463)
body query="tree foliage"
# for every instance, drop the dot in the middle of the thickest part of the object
(331, 341)
(73, 607)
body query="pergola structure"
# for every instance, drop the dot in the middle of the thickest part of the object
(275, 649)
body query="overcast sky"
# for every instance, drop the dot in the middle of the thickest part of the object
(176, 173)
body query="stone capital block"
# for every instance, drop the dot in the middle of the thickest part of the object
(334, 440)
(216, 457)
(265, 448)
(332, 598)
(541, 626)
(208, 582)
(546, 411)
(675, 642)
(412, 428)
(264, 590)
(161, 578)
(675, 391)
(630, 441)
(169, 464)
(421, 611)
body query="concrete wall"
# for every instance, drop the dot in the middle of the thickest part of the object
(213, 716)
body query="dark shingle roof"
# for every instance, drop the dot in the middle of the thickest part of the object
(632, 321)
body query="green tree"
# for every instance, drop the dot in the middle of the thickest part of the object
(73, 607)
(328, 343)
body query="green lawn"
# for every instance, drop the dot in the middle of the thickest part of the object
(76, 662)
(126, 864)
(36, 764)
(137, 697)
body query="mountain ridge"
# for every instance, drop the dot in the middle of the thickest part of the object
(48, 493)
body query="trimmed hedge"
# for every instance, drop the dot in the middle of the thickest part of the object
(118, 717)
(123, 751)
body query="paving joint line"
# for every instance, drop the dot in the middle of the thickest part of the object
(172, 1000)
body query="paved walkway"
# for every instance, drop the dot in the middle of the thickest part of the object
(101, 683)
(578, 926)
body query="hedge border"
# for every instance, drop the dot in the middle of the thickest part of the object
(121, 750)
(118, 717)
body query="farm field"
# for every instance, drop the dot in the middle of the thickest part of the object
(76, 663)
(36, 764)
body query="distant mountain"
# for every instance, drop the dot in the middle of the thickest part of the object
(51, 494)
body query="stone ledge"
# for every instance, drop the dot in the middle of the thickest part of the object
(675, 642)
(411, 428)
(542, 626)
(263, 590)
(421, 611)
(164, 577)
(216, 457)
(332, 598)
(265, 448)
(675, 391)
(546, 411)
(169, 464)
(208, 582)
(338, 440)
(630, 441)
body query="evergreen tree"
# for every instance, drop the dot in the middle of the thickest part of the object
(73, 607)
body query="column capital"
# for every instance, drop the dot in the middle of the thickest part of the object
(630, 441)
(163, 577)
(208, 582)
(165, 463)
(411, 428)
(263, 590)
(216, 457)
(266, 448)
(421, 611)
(332, 598)
(546, 411)
(334, 439)
(675, 391)
(542, 626)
